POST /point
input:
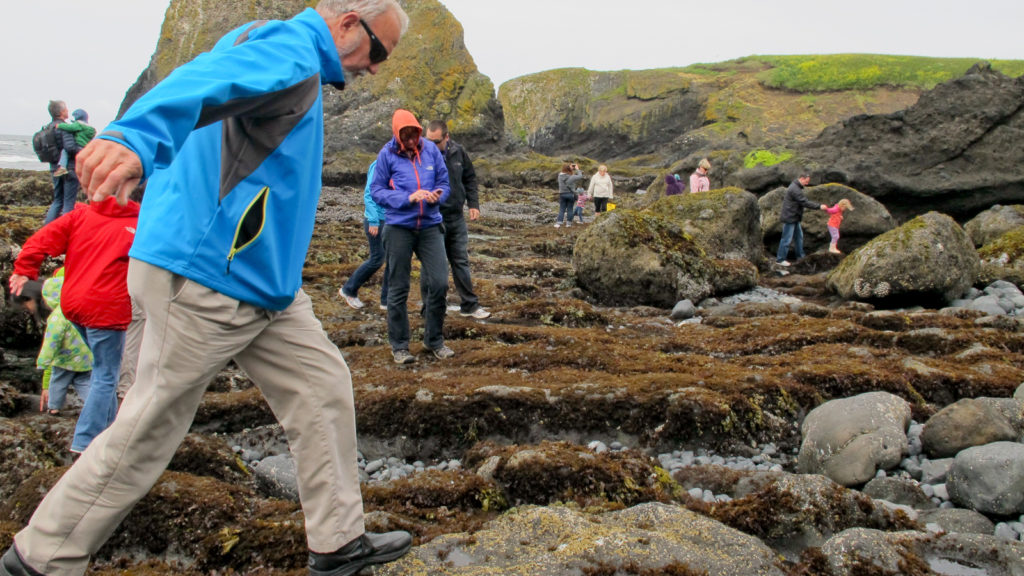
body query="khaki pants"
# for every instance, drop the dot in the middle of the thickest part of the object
(190, 334)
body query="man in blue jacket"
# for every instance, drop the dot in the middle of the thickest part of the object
(231, 147)
(411, 183)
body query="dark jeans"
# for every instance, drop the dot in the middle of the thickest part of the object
(565, 206)
(367, 269)
(428, 245)
(456, 248)
(600, 204)
(65, 192)
(790, 231)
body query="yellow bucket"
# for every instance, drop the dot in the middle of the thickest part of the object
(611, 206)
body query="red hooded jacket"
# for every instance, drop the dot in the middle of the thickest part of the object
(95, 240)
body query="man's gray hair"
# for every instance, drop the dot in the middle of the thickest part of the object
(56, 108)
(367, 9)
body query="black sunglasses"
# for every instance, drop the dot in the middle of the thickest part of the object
(378, 53)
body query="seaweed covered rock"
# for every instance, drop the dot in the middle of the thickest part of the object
(927, 260)
(646, 257)
(25, 187)
(994, 222)
(868, 219)
(789, 512)
(850, 439)
(724, 221)
(861, 551)
(972, 422)
(645, 539)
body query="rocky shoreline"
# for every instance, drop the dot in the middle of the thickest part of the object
(569, 436)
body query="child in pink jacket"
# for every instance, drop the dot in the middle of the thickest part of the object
(834, 221)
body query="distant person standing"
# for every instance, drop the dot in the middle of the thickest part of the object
(65, 184)
(567, 180)
(793, 204)
(673, 186)
(699, 181)
(600, 189)
(411, 182)
(464, 192)
(373, 222)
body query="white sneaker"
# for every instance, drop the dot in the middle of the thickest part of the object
(558, 224)
(352, 301)
(480, 313)
(384, 307)
(783, 263)
(443, 352)
(403, 357)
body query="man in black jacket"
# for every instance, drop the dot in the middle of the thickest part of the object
(793, 204)
(462, 179)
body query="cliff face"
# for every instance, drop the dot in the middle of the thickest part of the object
(430, 73)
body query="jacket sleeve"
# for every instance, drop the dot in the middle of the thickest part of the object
(373, 213)
(50, 240)
(469, 181)
(571, 181)
(834, 210)
(380, 186)
(802, 198)
(231, 80)
(590, 188)
(441, 176)
(68, 142)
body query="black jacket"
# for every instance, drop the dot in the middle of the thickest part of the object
(461, 179)
(794, 202)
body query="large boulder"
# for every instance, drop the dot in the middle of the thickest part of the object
(725, 222)
(989, 479)
(646, 257)
(850, 439)
(868, 219)
(956, 151)
(645, 539)
(928, 260)
(972, 422)
(994, 222)
(357, 120)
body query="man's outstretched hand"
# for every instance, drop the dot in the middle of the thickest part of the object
(106, 168)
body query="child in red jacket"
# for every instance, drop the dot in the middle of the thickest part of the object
(834, 221)
(95, 240)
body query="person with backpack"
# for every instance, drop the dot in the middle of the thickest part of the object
(48, 144)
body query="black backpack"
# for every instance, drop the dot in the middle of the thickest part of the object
(44, 142)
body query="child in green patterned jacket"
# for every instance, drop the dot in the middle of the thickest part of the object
(64, 356)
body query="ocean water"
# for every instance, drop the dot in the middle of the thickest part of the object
(16, 152)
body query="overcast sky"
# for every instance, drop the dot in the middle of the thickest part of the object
(116, 38)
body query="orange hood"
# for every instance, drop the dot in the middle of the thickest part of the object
(403, 119)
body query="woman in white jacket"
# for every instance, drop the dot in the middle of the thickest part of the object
(600, 189)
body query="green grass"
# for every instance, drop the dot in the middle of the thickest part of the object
(824, 73)
(765, 158)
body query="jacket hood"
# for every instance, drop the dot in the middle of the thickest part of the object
(403, 119)
(110, 207)
(51, 291)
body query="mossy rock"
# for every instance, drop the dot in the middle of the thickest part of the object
(725, 221)
(633, 257)
(992, 223)
(927, 260)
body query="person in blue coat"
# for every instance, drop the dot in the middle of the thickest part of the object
(411, 183)
(373, 221)
(231, 146)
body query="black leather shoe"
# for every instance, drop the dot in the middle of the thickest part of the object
(13, 565)
(368, 549)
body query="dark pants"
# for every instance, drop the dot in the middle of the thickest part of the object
(456, 248)
(367, 269)
(791, 231)
(428, 245)
(65, 192)
(565, 206)
(600, 204)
